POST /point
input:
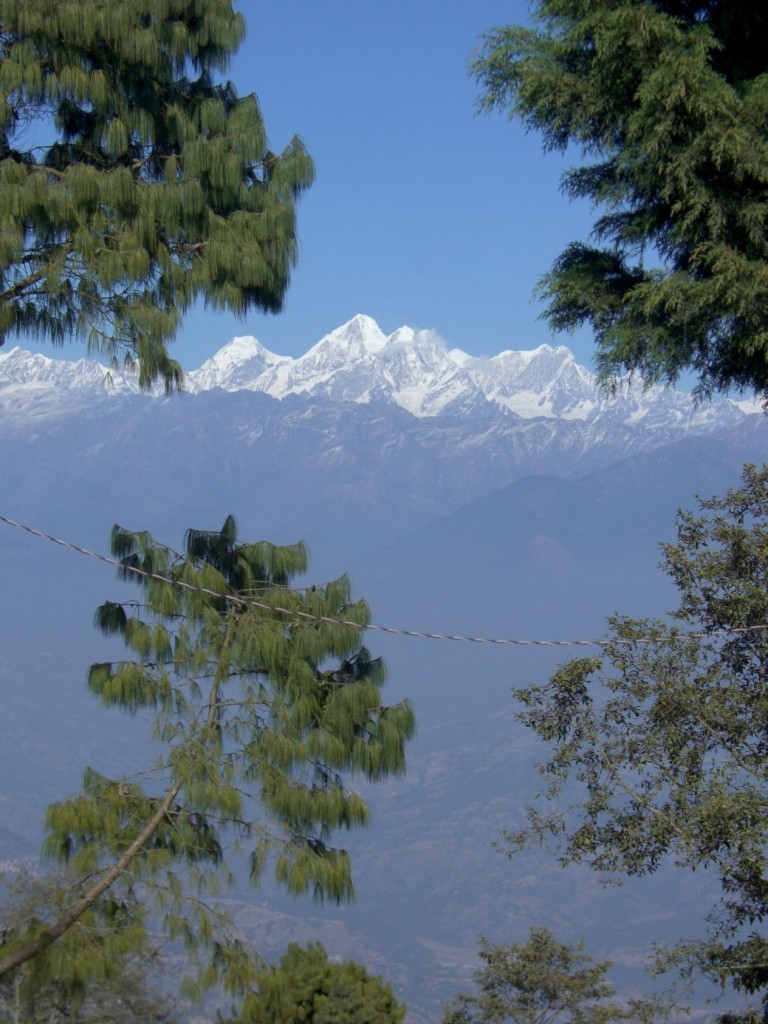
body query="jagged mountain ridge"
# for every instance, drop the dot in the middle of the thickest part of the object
(415, 370)
(411, 369)
(365, 435)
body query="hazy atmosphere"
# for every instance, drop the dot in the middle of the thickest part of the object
(387, 659)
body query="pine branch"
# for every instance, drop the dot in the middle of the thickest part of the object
(48, 170)
(76, 911)
(112, 874)
(32, 279)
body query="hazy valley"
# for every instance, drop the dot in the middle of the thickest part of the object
(516, 504)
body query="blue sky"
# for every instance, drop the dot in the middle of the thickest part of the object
(422, 212)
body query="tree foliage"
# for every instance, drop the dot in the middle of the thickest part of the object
(96, 978)
(132, 182)
(669, 98)
(306, 988)
(265, 702)
(660, 750)
(543, 981)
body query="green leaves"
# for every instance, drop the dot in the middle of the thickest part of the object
(102, 974)
(306, 987)
(267, 705)
(672, 102)
(152, 188)
(543, 981)
(665, 744)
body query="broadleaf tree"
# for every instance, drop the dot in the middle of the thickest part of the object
(265, 703)
(132, 180)
(545, 981)
(667, 100)
(659, 750)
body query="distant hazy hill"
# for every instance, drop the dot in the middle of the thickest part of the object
(503, 497)
(364, 437)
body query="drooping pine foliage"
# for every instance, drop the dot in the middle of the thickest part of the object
(670, 100)
(100, 975)
(266, 703)
(132, 182)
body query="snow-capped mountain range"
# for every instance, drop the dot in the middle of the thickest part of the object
(415, 370)
(364, 434)
(505, 496)
(358, 363)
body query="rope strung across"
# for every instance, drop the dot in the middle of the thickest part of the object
(393, 630)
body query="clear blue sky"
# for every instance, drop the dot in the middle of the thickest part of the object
(422, 212)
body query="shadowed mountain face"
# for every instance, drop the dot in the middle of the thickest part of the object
(479, 522)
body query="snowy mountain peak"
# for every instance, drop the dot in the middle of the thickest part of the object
(234, 366)
(412, 369)
(359, 336)
(427, 344)
(523, 357)
(238, 350)
(460, 357)
(19, 367)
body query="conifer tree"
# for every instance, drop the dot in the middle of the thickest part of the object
(265, 702)
(98, 978)
(307, 988)
(132, 181)
(668, 100)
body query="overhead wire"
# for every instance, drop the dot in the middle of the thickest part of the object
(392, 630)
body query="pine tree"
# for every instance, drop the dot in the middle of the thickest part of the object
(307, 988)
(265, 702)
(132, 182)
(669, 99)
(96, 978)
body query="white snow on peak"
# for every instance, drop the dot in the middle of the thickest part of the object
(240, 362)
(19, 367)
(460, 357)
(402, 336)
(411, 368)
(750, 406)
(360, 335)
(238, 350)
(523, 355)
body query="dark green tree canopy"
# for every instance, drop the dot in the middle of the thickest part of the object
(307, 988)
(670, 100)
(660, 750)
(132, 182)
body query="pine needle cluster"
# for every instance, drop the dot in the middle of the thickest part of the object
(132, 181)
(668, 99)
(265, 704)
